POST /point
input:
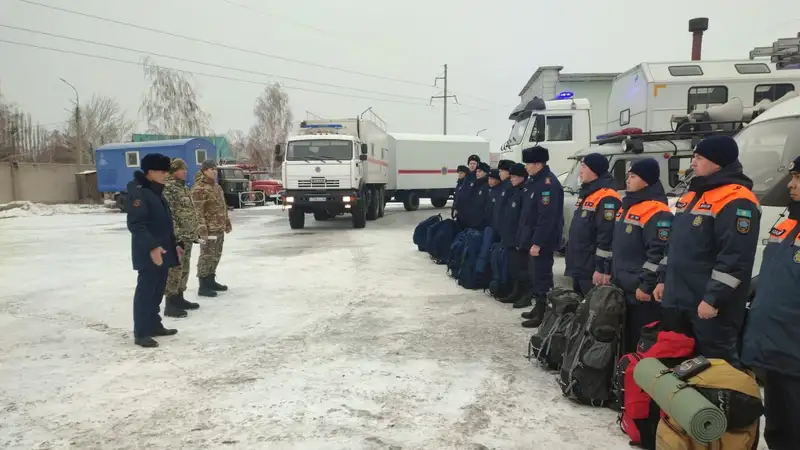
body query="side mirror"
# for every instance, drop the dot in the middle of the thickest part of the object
(363, 150)
(362, 157)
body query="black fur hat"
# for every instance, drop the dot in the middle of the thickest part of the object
(155, 161)
(475, 158)
(504, 164)
(484, 167)
(494, 173)
(518, 170)
(462, 169)
(536, 154)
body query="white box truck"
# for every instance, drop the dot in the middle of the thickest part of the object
(424, 166)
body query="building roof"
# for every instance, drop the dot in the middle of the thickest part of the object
(150, 144)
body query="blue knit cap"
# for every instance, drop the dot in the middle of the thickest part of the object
(597, 163)
(721, 150)
(647, 169)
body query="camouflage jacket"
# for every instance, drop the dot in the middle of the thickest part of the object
(184, 216)
(210, 203)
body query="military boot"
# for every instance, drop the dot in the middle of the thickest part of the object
(511, 297)
(146, 342)
(525, 297)
(205, 287)
(216, 286)
(536, 315)
(182, 303)
(171, 308)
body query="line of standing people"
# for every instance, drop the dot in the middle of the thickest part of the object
(166, 219)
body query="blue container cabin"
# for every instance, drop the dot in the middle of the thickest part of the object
(116, 163)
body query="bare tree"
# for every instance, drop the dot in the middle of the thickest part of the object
(237, 142)
(171, 105)
(273, 123)
(102, 122)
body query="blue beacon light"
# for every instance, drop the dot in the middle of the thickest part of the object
(564, 95)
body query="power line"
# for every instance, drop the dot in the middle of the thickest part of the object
(208, 64)
(221, 45)
(203, 74)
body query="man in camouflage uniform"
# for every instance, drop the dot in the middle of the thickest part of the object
(184, 217)
(214, 223)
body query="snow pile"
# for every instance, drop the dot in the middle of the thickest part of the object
(30, 209)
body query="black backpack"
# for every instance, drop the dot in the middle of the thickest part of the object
(548, 344)
(594, 340)
(421, 231)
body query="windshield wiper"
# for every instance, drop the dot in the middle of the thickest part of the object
(309, 159)
(329, 158)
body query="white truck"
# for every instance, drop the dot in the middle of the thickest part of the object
(424, 166)
(645, 98)
(355, 166)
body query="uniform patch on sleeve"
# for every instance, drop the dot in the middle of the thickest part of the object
(663, 233)
(664, 224)
(608, 214)
(744, 213)
(743, 225)
(609, 206)
(547, 180)
(137, 203)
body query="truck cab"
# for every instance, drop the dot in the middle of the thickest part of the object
(337, 167)
(235, 185)
(262, 181)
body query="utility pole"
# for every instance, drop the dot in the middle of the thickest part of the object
(444, 96)
(78, 133)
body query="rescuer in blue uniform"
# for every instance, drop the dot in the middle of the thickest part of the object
(772, 335)
(540, 229)
(508, 226)
(588, 256)
(710, 252)
(640, 240)
(467, 183)
(154, 248)
(472, 201)
(495, 190)
(503, 167)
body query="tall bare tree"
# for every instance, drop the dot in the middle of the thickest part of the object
(102, 121)
(237, 142)
(171, 105)
(273, 124)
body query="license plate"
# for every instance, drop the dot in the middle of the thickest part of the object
(318, 199)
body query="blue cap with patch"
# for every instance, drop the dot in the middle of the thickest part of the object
(794, 166)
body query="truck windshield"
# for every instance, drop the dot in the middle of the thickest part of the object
(319, 150)
(260, 177)
(518, 129)
(232, 173)
(766, 149)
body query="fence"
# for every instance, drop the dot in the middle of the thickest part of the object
(40, 182)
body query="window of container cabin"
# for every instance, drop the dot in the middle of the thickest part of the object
(559, 128)
(752, 68)
(620, 172)
(676, 167)
(703, 97)
(200, 155)
(625, 117)
(538, 130)
(685, 71)
(132, 159)
(771, 92)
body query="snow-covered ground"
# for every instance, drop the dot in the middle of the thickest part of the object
(329, 338)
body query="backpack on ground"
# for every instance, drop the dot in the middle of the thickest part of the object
(548, 344)
(474, 273)
(733, 391)
(421, 231)
(500, 284)
(594, 340)
(440, 238)
(456, 254)
(639, 414)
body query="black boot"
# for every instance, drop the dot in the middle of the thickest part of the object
(182, 303)
(205, 287)
(536, 315)
(171, 308)
(146, 342)
(165, 331)
(525, 298)
(512, 296)
(216, 286)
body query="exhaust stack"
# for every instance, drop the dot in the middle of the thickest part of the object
(697, 26)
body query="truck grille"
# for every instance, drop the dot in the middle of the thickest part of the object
(318, 182)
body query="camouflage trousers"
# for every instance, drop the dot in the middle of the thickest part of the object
(210, 254)
(179, 275)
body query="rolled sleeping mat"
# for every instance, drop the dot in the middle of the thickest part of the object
(699, 418)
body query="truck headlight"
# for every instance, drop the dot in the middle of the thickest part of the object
(289, 199)
(346, 199)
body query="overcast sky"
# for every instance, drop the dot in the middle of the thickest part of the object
(492, 48)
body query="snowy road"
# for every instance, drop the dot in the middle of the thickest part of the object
(329, 338)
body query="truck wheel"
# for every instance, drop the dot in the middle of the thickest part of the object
(439, 202)
(372, 204)
(321, 215)
(411, 202)
(359, 213)
(297, 219)
(381, 203)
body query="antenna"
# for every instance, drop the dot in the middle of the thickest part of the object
(785, 53)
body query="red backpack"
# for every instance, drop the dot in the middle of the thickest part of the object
(639, 415)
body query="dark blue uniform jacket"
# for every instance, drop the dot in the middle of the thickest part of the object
(500, 193)
(712, 245)
(592, 229)
(772, 335)
(472, 203)
(494, 197)
(640, 239)
(542, 217)
(150, 223)
(508, 222)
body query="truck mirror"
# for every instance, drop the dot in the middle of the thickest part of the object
(362, 157)
(363, 149)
